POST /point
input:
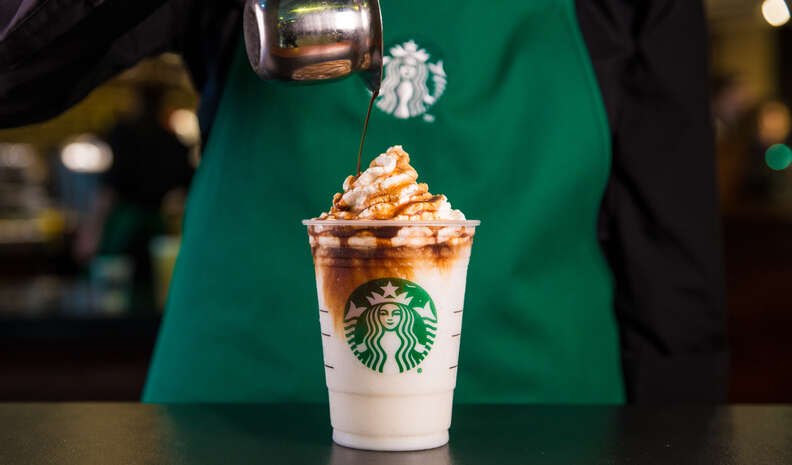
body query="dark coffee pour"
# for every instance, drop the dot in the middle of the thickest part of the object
(365, 126)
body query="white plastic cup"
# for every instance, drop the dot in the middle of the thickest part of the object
(391, 297)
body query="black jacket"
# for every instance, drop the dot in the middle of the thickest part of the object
(659, 225)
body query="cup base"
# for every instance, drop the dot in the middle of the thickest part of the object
(390, 443)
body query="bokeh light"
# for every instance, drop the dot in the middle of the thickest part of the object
(775, 12)
(184, 123)
(774, 123)
(87, 154)
(16, 155)
(778, 156)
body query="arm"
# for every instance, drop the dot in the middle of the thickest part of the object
(52, 54)
(659, 223)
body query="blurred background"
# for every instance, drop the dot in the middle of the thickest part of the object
(90, 218)
(91, 205)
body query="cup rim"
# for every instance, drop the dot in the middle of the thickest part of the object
(391, 223)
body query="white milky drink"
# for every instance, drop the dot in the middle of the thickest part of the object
(391, 301)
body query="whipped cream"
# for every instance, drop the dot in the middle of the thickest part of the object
(388, 190)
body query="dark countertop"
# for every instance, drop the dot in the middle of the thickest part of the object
(117, 433)
(61, 358)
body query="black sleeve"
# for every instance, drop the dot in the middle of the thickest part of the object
(53, 53)
(659, 222)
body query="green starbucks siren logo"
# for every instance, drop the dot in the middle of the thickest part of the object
(390, 324)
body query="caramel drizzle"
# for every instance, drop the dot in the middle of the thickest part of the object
(388, 203)
(430, 203)
(365, 127)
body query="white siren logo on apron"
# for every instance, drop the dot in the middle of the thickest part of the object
(390, 324)
(405, 92)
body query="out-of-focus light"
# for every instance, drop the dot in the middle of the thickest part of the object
(16, 155)
(185, 124)
(778, 157)
(775, 12)
(86, 154)
(774, 123)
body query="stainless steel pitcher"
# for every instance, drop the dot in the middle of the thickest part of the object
(314, 40)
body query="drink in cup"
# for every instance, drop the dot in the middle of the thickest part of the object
(391, 262)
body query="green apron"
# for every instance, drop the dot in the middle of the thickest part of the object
(501, 112)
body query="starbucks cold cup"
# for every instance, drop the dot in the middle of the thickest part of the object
(391, 297)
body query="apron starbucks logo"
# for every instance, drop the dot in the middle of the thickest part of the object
(405, 85)
(390, 324)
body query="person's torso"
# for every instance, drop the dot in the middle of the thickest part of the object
(500, 111)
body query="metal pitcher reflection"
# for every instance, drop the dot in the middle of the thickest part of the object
(312, 41)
